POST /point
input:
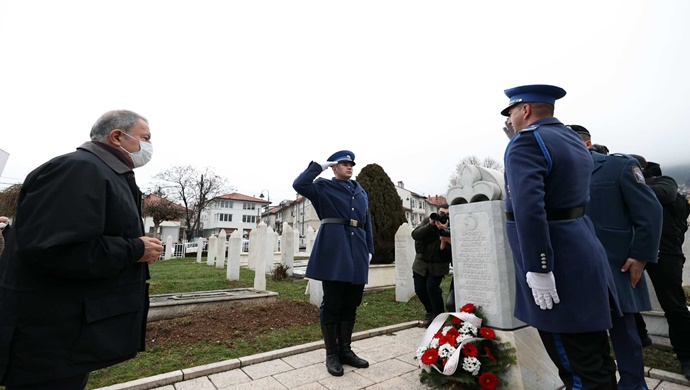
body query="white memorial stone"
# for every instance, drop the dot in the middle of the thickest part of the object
(199, 248)
(234, 253)
(211, 250)
(271, 238)
(296, 233)
(260, 271)
(404, 256)
(220, 257)
(287, 248)
(484, 273)
(311, 235)
(315, 292)
(168, 248)
(253, 249)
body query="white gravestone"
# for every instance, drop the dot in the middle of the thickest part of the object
(404, 256)
(484, 273)
(275, 240)
(220, 257)
(168, 248)
(199, 248)
(311, 235)
(211, 250)
(296, 233)
(260, 271)
(251, 257)
(234, 253)
(271, 238)
(315, 291)
(287, 248)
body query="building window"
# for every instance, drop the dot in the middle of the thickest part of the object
(249, 218)
(248, 206)
(226, 204)
(223, 217)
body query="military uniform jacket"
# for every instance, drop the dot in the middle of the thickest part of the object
(627, 219)
(73, 299)
(340, 252)
(548, 167)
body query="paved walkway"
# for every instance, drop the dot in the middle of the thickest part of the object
(390, 352)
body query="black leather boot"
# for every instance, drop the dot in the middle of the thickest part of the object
(330, 335)
(685, 365)
(346, 355)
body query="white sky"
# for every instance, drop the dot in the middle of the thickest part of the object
(257, 89)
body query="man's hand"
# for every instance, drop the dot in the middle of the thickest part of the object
(153, 248)
(543, 289)
(327, 165)
(635, 267)
(509, 129)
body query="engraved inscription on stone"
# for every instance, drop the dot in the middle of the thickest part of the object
(476, 271)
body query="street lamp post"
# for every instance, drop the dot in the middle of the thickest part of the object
(268, 198)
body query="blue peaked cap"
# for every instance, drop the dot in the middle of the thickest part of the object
(342, 155)
(535, 93)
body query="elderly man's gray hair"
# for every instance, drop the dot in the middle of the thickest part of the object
(111, 120)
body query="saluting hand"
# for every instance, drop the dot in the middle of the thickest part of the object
(635, 267)
(153, 248)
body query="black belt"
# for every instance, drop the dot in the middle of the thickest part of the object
(556, 214)
(342, 221)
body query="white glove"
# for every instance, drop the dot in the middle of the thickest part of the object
(370, 256)
(327, 165)
(543, 289)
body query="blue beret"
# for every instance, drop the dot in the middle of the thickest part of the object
(342, 155)
(536, 93)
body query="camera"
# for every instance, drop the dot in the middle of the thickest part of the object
(445, 232)
(440, 217)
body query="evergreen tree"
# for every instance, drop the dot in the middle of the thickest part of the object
(386, 211)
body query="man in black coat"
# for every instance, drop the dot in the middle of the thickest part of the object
(667, 273)
(73, 291)
(432, 262)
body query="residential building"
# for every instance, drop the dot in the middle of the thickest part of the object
(231, 212)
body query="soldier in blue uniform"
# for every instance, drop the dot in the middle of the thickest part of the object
(564, 286)
(627, 219)
(342, 251)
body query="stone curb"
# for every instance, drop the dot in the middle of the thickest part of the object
(173, 377)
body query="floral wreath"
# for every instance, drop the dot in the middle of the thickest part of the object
(457, 350)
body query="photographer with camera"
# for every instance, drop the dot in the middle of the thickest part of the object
(432, 261)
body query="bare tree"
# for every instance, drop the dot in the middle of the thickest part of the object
(488, 162)
(161, 209)
(9, 198)
(194, 189)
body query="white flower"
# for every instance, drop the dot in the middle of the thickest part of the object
(462, 337)
(433, 343)
(420, 352)
(446, 328)
(467, 328)
(471, 365)
(446, 350)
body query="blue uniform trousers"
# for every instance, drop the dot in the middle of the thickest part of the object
(583, 359)
(628, 349)
(340, 301)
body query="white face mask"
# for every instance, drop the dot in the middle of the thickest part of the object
(143, 155)
(2, 225)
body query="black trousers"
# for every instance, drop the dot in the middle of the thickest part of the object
(428, 290)
(340, 301)
(74, 383)
(583, 360)
(667, 278)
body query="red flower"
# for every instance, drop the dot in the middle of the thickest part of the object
(446, 339)
(438, 334)
(430, 356)
(453, 333)
(456, 321)
(470, 350)
(489, 354)
(488, 381)
(487, 333)
(468, 308)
